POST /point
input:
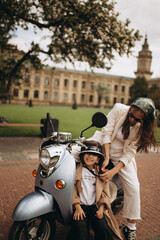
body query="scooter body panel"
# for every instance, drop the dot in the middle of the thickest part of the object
(65, 170)
(32, 205)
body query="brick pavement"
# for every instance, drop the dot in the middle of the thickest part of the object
(18, 157)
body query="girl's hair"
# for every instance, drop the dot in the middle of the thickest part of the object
(145, 135)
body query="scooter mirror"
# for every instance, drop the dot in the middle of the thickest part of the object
(99, 120)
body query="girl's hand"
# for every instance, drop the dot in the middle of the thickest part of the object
(99, 214)
(79, 213)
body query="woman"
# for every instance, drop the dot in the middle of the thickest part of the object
(130, 129)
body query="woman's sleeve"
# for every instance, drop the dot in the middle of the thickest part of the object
(107, 131)
(129, 152)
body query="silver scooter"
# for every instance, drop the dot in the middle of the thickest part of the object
(36, 214)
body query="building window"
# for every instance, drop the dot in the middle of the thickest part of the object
(37, 79)
(55, 96)
(65, 82)
(74, 97)
(123, 89)
(75, 83)
(46, 80)
(114, 100)
(83, 84)
(36, 93)
(91, 98)
(26, 93)
(82, 98)
(15, 92)
(92, 85)
(116, 88)
(46, 95)
(65, 96)
(27, 78)
(56, 82)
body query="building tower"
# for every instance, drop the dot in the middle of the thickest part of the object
(144, 61)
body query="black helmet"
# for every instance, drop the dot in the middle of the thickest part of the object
(92, 149)
(146, 105)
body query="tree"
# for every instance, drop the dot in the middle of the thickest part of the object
(103, 89)
(153, 93)
(139, 88)
(83, 30)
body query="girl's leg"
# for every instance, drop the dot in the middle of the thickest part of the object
(100, 227)
(81, 228)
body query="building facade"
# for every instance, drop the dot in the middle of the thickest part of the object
(66, 87)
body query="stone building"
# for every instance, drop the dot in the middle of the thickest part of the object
(65, 87)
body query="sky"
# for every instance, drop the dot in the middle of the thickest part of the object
(144, 15)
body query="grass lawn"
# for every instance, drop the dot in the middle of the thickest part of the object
(70, 120)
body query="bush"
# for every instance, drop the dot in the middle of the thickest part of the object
(30, 104)
(74, 106)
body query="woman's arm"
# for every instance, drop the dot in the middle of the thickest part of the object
(108, 174)
(106, 147)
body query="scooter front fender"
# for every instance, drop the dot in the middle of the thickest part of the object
(32, 205)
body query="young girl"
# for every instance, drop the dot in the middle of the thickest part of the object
(91, 199)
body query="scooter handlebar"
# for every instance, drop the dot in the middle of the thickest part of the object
(49, 119)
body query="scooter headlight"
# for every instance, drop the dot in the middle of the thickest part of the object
(45, 157)
(49, 156)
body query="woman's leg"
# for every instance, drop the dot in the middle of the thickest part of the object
(131, 208)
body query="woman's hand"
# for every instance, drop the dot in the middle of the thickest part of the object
(105, 163)
(107, 175)
(79, 213)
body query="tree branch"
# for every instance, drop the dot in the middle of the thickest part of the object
(16, 67)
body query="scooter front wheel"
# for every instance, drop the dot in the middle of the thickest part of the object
(29, 229)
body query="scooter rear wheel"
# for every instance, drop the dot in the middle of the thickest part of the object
(27, 230)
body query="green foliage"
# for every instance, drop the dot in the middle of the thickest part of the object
(30, 104)
(69, 119)
(74, 106)
(154, 94)
(103, 89)
(139, 88)
(80, 30)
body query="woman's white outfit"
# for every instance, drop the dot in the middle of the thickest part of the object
(124, 151)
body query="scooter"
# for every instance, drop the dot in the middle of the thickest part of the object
(36, 214)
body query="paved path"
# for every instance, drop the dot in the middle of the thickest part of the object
(19, 156)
